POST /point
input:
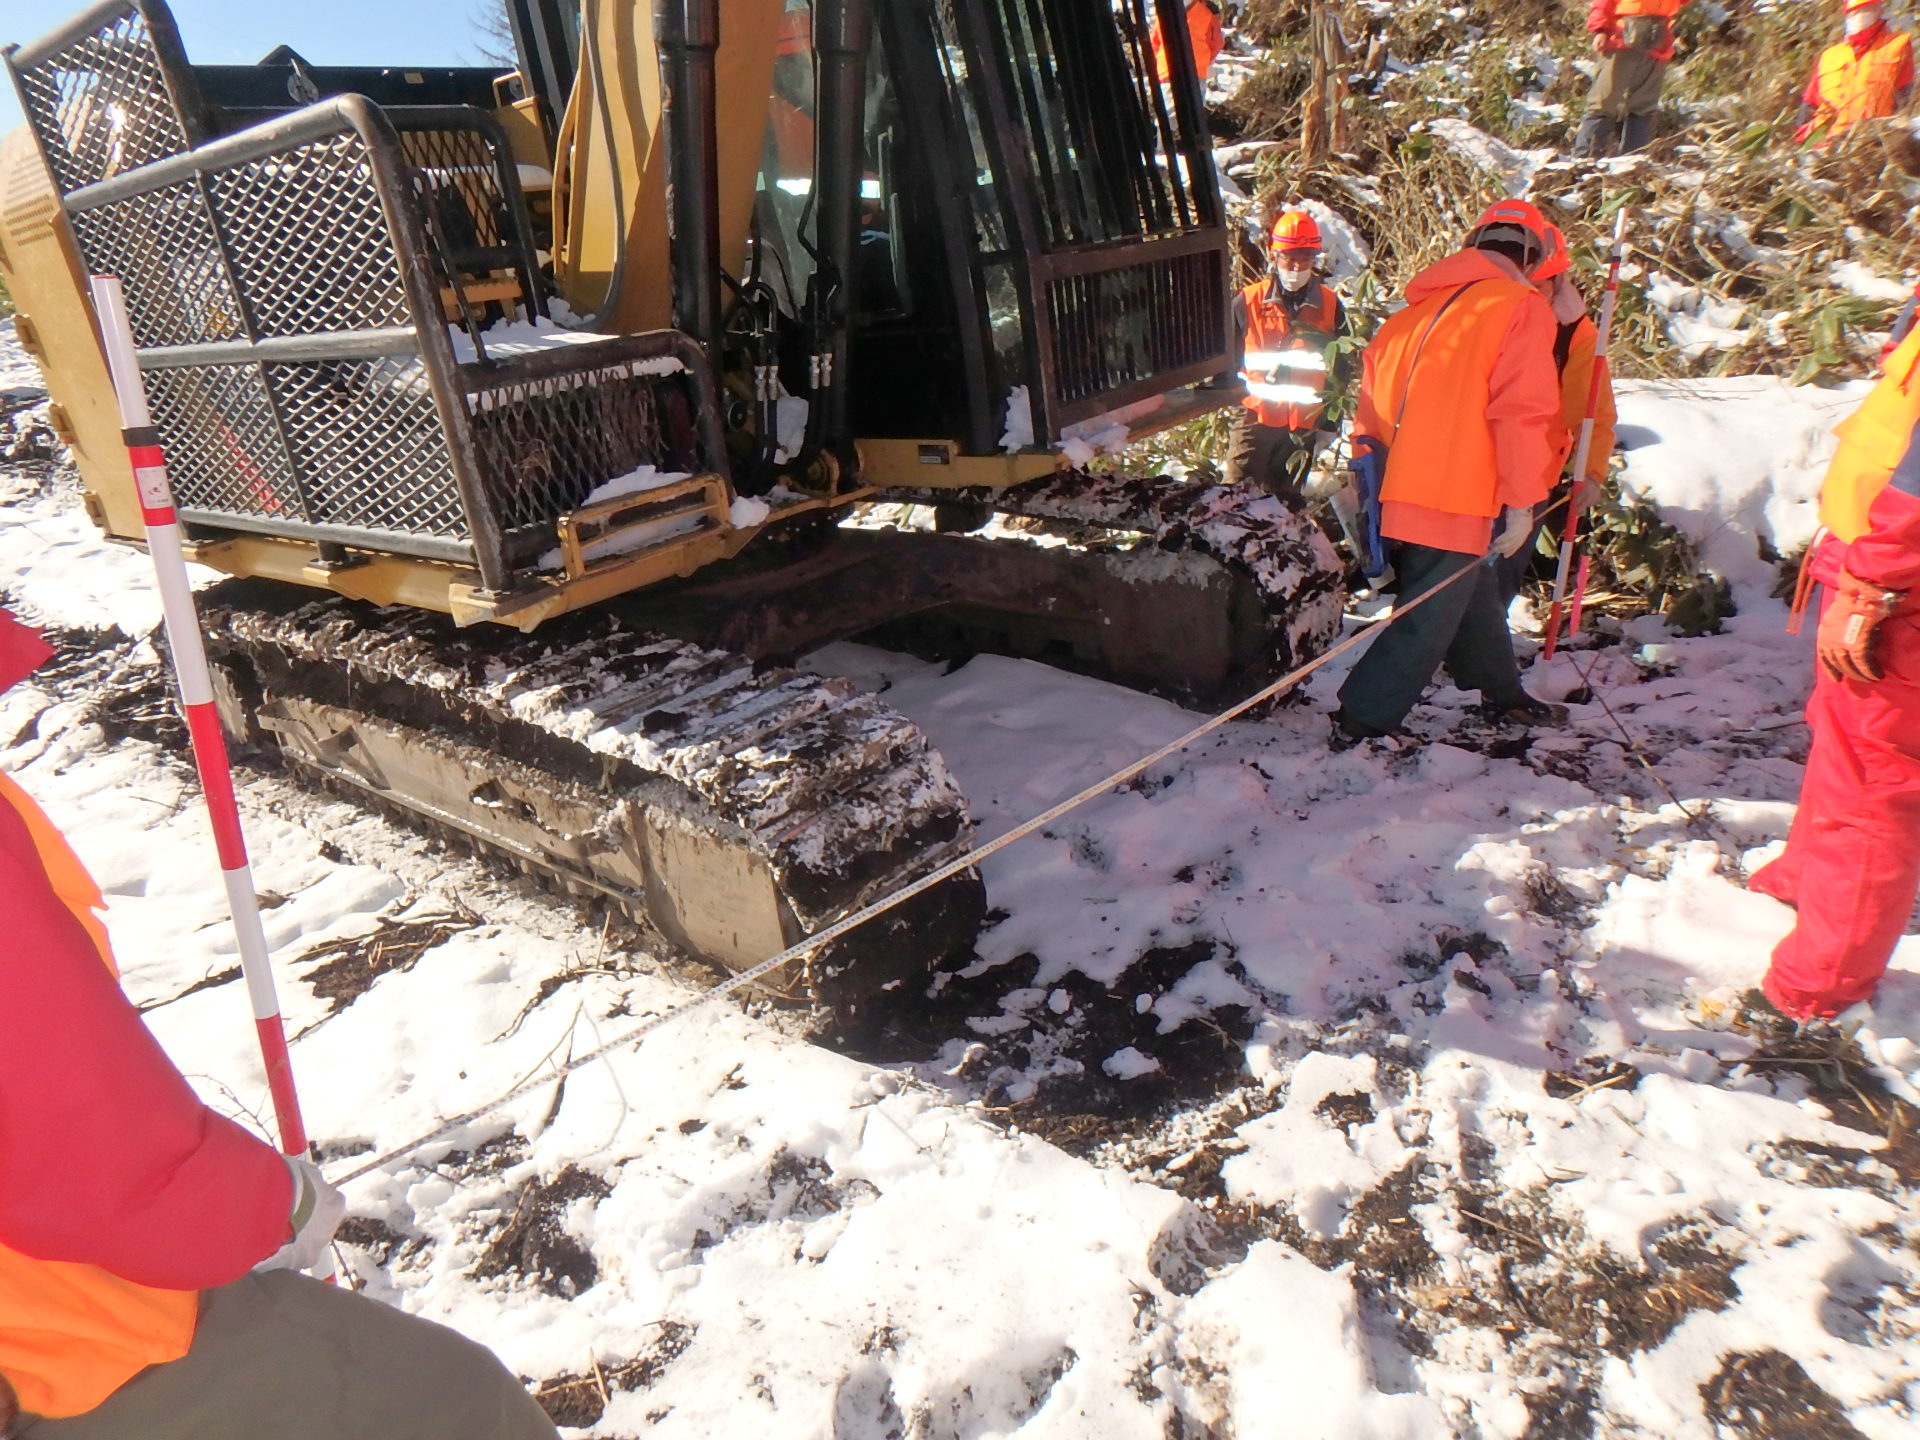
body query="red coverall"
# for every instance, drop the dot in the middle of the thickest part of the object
(1852, 863)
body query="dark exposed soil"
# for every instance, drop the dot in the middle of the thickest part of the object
(534, 1246)
(343, 970)
(579, 1400)
(1767, 1396)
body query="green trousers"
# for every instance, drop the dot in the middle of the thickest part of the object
(277, 1356)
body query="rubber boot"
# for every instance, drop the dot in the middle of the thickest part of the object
(1594, 139)
(1636, 133)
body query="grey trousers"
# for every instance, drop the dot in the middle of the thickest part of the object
(1464, 627)
(277, 1356)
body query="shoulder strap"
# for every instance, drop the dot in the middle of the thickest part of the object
(1406, 385)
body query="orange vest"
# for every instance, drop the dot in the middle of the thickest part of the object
(1575, 380)
(1872, 440)
(1203, 30)
(1665, 9)
(1286, 357)
(1442, 455)
(1860, 87)
(70, 1335)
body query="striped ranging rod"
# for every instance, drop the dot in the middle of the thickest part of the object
(196, 694)
(1557, 611)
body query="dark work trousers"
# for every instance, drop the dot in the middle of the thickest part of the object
(1264, 455)
(1465, 626)
(277, 1356)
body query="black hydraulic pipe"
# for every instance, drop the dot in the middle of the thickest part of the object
(842, 37)
(688, 32)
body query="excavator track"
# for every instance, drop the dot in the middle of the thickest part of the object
(1226, 565)
(732, 807)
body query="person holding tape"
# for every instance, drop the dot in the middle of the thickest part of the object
(151, 1250)
(1460, 392)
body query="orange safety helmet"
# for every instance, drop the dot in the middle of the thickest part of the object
(1294, 230)
(1853, 5)
(1521, 215)
(1558, 262)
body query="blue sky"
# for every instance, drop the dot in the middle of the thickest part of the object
(327, 32)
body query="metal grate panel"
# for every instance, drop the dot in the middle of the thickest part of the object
(544, 444)
(163, 246)
(99, 104)
(460, 163)
(1134, 324)
(224, 451)
(308, 240)
(368, 437)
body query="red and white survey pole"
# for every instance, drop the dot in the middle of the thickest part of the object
(196, 694)
(1558, 611)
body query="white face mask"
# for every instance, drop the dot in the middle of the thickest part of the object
(1860, 20)
(1293, 281)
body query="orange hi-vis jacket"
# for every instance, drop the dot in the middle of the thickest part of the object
(1604, 17)
(1575, 378)
(1873, 442)
(1285, 359)
(1203, 31)
(1854, 82)
(70, 1335)
(1481, 426)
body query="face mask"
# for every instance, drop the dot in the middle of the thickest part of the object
(1861, 20)
(1293, 281)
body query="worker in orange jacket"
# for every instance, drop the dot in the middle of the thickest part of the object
(149, 1247)
(1460, 389)
(1852, 863)
(1576, 339)
(1634, 40)
(1287, 322)
(1868, 75)
(1204, 35)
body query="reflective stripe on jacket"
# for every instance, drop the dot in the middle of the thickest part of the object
(1851, 84)
(1285, 359)
(1482, 419)
(121, 1195)
(1874, 441)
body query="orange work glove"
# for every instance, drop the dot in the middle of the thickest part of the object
(1851, 627)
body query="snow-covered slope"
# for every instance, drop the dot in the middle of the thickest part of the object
(1290, 1095)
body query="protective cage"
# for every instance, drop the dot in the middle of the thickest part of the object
(288, 286)
(1109, 225)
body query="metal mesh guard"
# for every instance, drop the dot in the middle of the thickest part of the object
(100, 106)
(545, 444)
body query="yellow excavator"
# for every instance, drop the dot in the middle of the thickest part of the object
(546, 419)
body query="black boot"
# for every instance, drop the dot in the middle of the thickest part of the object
(1636, 133)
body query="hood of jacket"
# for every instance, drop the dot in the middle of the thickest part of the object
(1457, 269)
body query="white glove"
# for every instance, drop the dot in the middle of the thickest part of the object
(317, 1211)
(1514, 532)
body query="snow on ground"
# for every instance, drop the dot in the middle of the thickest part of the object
(1289, 1094)
(1735, 464)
